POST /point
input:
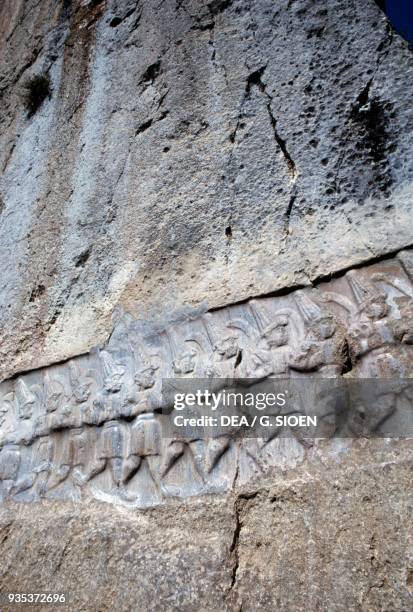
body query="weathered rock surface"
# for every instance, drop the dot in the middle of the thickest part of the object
(102, 425)
(191, 153)
(330, 537)
(323, 525)
(163, 162)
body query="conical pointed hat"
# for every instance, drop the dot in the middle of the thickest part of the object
(23, 393)
(243, 326)
(200, 340)
(259, 316)
(110, 368)
(310, 311)
(74, 373)
(53, 386)
(361, 290)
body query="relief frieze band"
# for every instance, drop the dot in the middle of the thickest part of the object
(91, 427)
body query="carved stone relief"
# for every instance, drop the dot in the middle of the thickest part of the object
(91, 427)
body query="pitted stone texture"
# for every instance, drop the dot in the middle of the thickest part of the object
(191, 153)
(330, 537)
(105, 560)
(330, 544)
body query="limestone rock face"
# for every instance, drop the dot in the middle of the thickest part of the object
(333, 538)
(190, 153)
(215, 189)
(102, 426)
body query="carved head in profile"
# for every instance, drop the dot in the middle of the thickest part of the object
(81, 393)
(228, 347)
(321, 323)
(359, 330)
(54, 393)
(81, 388)
(375, 306)
(403, 327)
(145, 377)
(54, 400)
(324, 327)
(277, 333)
(185, 364)
(113, 383)
(370, 301)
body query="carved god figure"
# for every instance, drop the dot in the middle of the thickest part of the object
(323, 348)
(72, 457)
(80, 385)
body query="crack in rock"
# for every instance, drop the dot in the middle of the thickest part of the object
(256, 79)
(147, 124)
(234, 557)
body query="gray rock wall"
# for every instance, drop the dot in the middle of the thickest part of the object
(94, 427)
(191, 153)
(202, 189)
(333, 538)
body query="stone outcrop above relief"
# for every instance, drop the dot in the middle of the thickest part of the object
(92, 426)
(190, 154)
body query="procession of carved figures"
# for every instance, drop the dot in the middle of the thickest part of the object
(91, 427)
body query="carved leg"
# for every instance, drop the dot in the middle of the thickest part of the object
(116, 467)
(58, 476)
(385, 407)
(130, 467)
(198, 453)
(215, 450)
(97, 467)
(270, 437)
(41, 482)
(23, 484)
(7, 487)
(253, 449)
(305, 442)
(174, 451)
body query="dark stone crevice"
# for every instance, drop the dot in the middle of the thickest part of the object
(37, 89)
(151, 73)
(240, 504)
(234, 547)
(218, 6)
(287, 214)
(147, 124)
(367, 141)
(256, 79)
